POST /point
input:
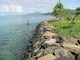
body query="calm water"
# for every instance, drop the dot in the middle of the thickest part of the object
(14, 33)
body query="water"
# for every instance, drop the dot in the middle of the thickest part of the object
(14, 33)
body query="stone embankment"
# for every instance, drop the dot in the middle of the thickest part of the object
(47, 45)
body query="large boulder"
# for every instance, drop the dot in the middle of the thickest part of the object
(62, 53)
(49, 35)
(72, 48)
(69, 39)
(50, 50)
(48, 57)
(64, 58)
(50, 41)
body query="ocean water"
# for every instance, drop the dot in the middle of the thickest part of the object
(14, 33)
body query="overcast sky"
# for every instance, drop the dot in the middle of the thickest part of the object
(30, 6)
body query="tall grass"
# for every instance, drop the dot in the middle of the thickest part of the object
(65, 27)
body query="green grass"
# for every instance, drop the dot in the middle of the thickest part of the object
(65, 27)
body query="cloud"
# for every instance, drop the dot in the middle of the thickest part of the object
(27, 1)
(15, 8)
(5, 8)
(39, 9)
(11, 8)
(34, 5)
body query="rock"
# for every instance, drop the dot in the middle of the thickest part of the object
(50, 50)
(47, 57)
(39, 53)
(64, 58)
(63, 53)
(30, 59)
(59, 39)
(70, 55)
(78, 57)
(78, 42)
(36, 49)
(69, 40)
(47, 28)
(50, 41)
(72, 48)
(55, 44)
(29, 48)
(49, 35)
(36, 43)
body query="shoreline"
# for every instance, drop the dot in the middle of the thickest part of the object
(46, 44)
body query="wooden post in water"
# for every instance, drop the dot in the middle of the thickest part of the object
(28, 25)
(28, 22)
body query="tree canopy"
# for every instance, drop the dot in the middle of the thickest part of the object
(78, 11)
(58, 10)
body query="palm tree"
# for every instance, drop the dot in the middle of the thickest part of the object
(58, 10)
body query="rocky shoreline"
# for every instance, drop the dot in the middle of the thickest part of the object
(47, 45)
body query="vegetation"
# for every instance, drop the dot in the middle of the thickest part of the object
(58, 11)
(78, 11)
(65, 27)
(67, 24)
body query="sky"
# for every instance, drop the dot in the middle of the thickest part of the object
(31, 6)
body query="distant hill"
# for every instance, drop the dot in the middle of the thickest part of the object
(49, 13)
(35, 13)
(71, 11)
(39, 13)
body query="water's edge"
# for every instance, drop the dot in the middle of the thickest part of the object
(38, 32)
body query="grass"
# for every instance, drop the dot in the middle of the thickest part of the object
(65, 27)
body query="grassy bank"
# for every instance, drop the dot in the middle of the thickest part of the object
(66, 27)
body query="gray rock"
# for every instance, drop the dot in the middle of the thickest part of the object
(36, 49)
(30, 59)
(48, 57)
(47, 28)
(39, 53)
(78, 57)
(59, 39)
(36, 43)
(50, 50)
(49, 35)
(72, 47)
(61, 53)
(64, 58)
(69, 39)
(50, 41)
(29, 48)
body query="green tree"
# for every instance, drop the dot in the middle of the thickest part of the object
(58, 11)
(78, 11)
